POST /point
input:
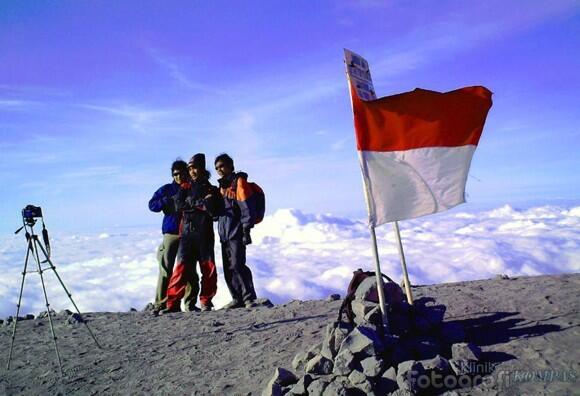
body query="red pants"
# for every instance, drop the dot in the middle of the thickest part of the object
(184, 271)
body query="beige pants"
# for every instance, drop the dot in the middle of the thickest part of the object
(166, 258)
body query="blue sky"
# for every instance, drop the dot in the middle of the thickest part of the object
(98, 98)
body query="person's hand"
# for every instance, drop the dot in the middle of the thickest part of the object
(246, 238)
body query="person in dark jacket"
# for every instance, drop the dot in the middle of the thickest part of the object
(162, 201)
(199, 202)
(234, 227)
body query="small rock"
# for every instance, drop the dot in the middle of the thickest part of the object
(133, 310)
(327, 349)
(300, 360)
(217, 323)
(360, 381)
(316, 387)
(301, 387)
(344, 363)
(333, 297)
(438, 364)
(281, 378)
(44, 314)
(463, 366)
(29, 317)
(407, 374)
(465, 351)
(402, 392)
(372, 366)
(364, 341)
(314, 350)
(65, 313)
(360, 308)
(148, 307)
(319, 365)
(387, 382)
(339, 386)
(75, 318)
(502, 276)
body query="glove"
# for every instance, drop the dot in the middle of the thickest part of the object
(246, 238)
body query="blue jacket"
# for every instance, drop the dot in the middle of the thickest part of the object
(163, 201)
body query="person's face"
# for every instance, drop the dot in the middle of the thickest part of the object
(223, 169)
(194, 172)
(179, 176)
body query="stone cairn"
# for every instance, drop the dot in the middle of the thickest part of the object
(356, 359)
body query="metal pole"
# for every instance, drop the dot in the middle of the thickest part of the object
(379, 276)
(403, 264)
(36, 244)
(19, 298)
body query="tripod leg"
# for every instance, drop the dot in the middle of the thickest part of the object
(69, 295)
(19, 301)
(36, 244)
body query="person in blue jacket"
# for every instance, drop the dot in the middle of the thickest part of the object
(163, 201)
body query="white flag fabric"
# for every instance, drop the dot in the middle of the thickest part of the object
(415, 148)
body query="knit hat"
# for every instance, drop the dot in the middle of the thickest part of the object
(197, 161)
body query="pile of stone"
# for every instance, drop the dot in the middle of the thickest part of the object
(406, 357)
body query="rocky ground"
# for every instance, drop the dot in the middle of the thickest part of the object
(527, 327)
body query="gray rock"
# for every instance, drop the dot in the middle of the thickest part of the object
(314, 350)
(284, 377)
(402, 392)
(301, 387)
(465, 351)
(463, 366)
(340, 334)
(357, 377)
(387, 382)
(333, 297)
(339, 386)
(344, 363)
(438, 364)
(29, 317)
(279, 380)
(360, 381)
(133, 309)
(300, 360)
(44, 314)
(407, 374)
(148, 307)
(327, 349)
(360, 308)
(272, 389)
(372, 366)
(75, 318)
(319, 365)
(65, 313)
(316, 387)
(363, 341)
(502, 276)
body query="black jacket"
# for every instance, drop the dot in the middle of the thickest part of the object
(238, 198)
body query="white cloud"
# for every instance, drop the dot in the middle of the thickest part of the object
(305, 256)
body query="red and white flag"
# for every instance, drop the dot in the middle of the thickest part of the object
(415, 148)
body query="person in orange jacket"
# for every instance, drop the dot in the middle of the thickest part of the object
(234, 225)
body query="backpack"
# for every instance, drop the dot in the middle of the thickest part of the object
(258, 204)
(358, 276)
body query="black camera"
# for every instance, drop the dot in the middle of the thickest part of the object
(30, 212)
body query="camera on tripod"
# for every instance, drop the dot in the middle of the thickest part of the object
(30, 212)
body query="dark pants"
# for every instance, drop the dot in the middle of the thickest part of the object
(238, 275)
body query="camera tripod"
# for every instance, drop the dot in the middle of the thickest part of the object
(35, 248)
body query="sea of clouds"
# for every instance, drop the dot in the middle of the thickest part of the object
(302, 256)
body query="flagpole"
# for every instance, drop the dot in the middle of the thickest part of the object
(403, 263)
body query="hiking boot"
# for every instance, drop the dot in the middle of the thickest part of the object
(169, 310)
(233, 304)
(206, 308)
(251, 304)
